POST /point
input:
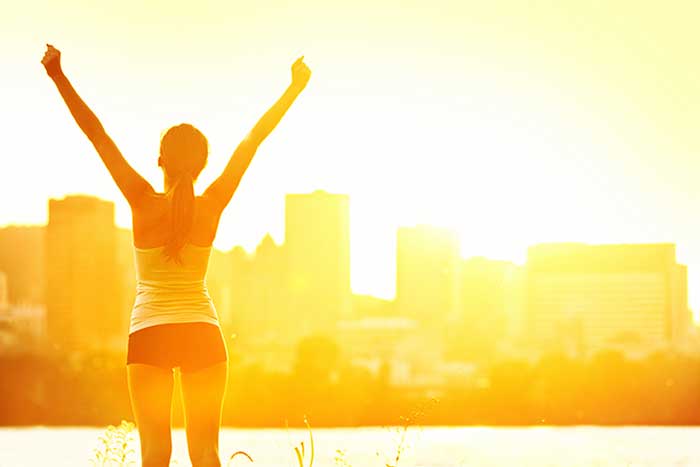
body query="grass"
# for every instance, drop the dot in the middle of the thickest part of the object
(299, 450)
(116, 446)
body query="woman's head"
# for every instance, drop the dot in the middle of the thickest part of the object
(183, 155)
(183, 150)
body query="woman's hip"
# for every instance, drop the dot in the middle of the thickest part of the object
(190, 346)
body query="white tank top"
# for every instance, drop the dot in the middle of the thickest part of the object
(168, 292)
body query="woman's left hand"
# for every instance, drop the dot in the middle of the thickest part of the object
(52, 60)
(300, 73)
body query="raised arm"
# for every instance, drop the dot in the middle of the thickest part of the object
(131, 184)
(222, 189)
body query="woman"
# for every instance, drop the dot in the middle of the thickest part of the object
(173, 321)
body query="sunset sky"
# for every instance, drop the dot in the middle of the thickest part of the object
(513, 122)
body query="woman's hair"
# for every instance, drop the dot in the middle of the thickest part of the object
(183, 155)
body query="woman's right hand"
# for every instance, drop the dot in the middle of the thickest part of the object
(52, 60)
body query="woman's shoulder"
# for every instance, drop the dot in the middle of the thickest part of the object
(208, 205)
(157, 201)
(157, 210)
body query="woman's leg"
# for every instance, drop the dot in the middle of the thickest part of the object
(203, 395)
(151, 390)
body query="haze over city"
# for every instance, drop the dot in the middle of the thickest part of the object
(368, 232)
(497, 119)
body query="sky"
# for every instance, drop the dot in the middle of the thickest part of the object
(512, 122)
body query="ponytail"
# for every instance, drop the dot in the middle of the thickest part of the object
(181, 214)
(183, 155)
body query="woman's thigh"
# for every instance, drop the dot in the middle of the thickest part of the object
(150, 391)
(203, 395)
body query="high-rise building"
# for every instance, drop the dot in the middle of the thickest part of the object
(126, 268)
(22, 259)
(368, 306)
(317, 249)
(241, 306)
(584, 298)
(681, 318)
(220, 284)
(22, 328)
(86, 307)
(427, 261)
(4, 302)
(482, 321)
(251, 291)
(267, 290)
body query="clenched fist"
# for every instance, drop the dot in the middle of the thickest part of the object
(52, 60)
(300, 73)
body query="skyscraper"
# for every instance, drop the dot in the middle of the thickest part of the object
(485, 294)
(317, 248)
(267, 289)
(221, 285)
(86, 308)
(427, 260)
(584, 298)
(22, 259)
(126, 268)
(4, 302)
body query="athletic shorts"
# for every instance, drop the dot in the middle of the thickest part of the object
(189, 346)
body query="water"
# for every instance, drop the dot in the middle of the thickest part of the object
(366, 447)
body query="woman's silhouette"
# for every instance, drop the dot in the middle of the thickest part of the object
(173, 321)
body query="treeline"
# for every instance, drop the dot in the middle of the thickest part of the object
(607, 389)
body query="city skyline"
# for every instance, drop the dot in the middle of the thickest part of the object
(574, 297)
(569, 297)
(509, 128)
(393, 278)
(286, 310)
(358, 232)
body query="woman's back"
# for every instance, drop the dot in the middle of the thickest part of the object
(154, 267)
(170, 291)
(152, 221)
